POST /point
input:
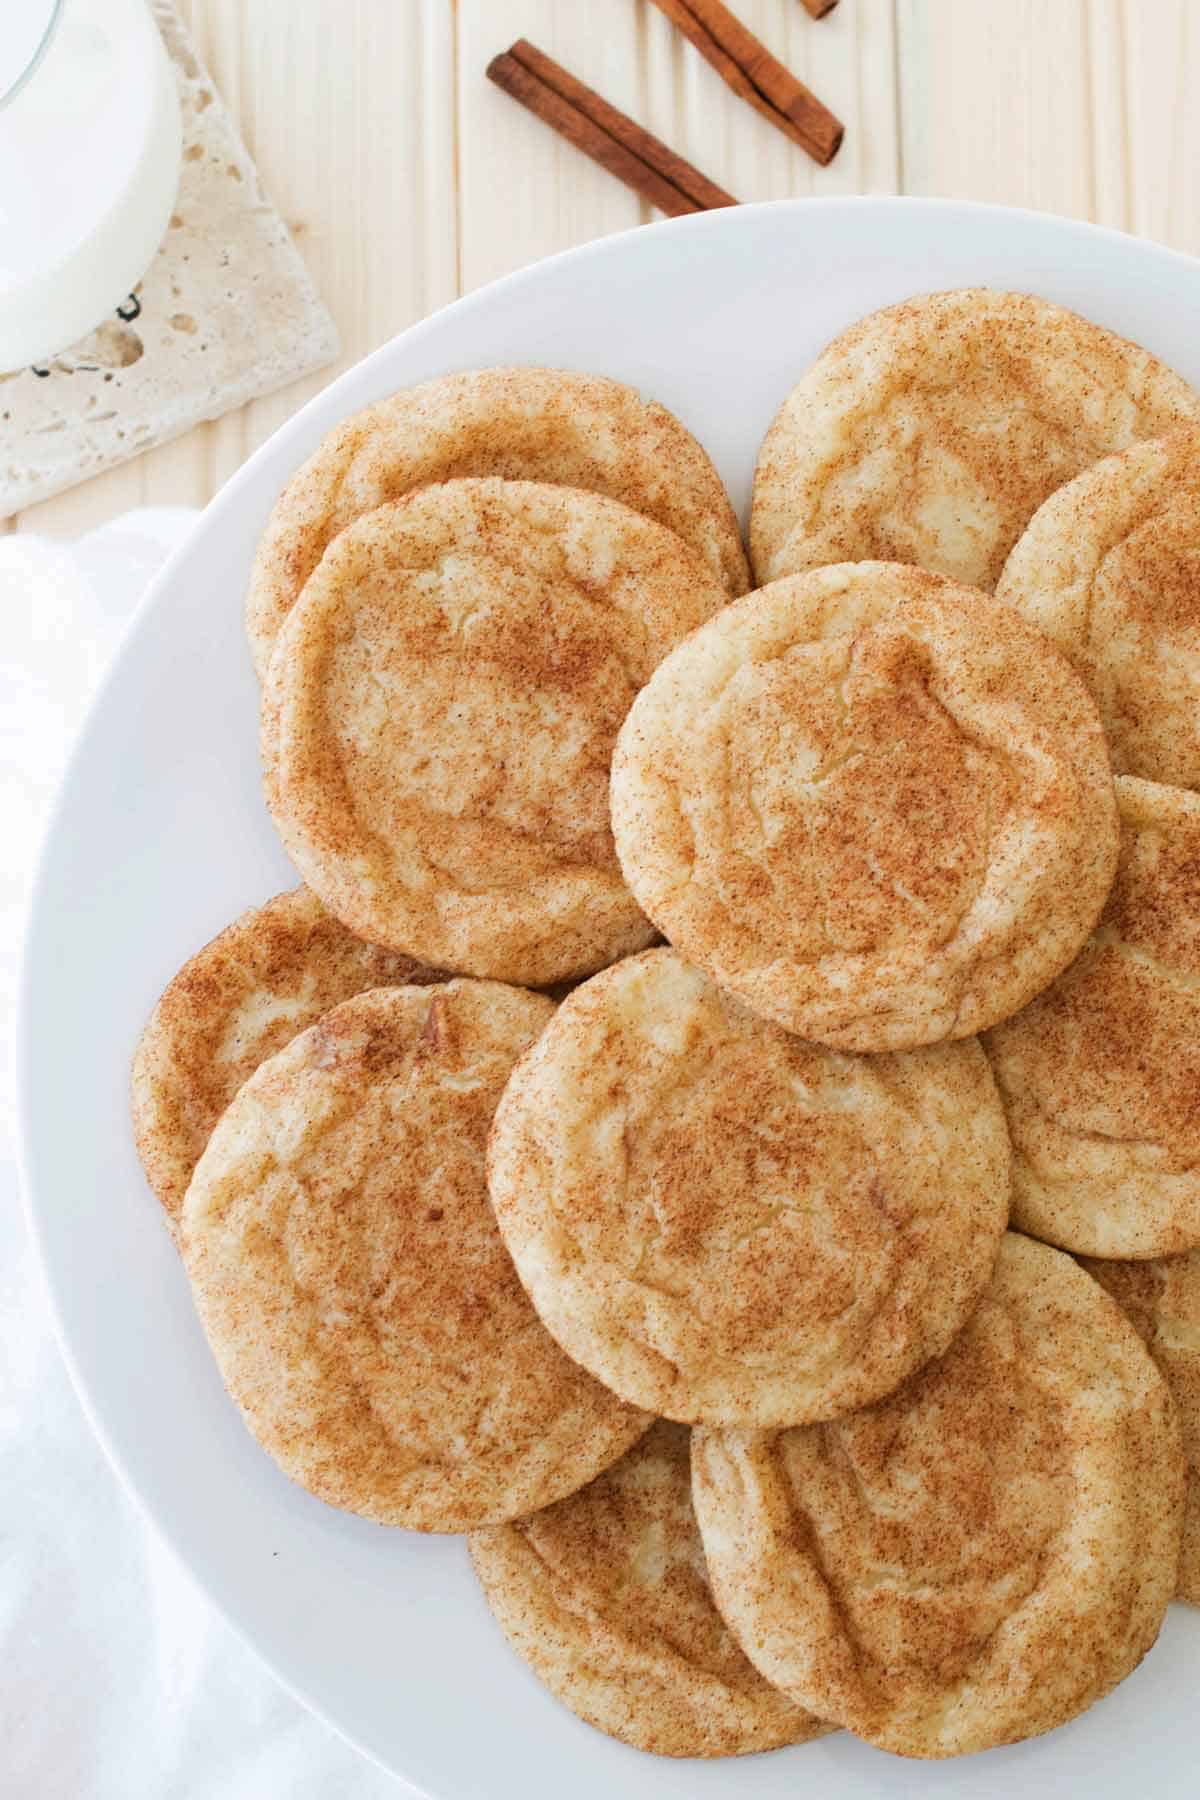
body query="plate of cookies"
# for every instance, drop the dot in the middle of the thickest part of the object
(610, 1043)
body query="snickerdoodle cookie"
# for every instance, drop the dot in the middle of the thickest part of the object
(1109, 568)
(873, 804)
(726, 1223)
(267, 976)
(1100, 1075)
(981, 1556)
(930, 432)
(1162, 1298)
(605, 1595)
(440, 712)
(347, 1269)
(582, 431)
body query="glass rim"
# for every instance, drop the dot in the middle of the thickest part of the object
(40, 49)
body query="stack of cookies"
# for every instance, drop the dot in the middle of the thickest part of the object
(720, 1123)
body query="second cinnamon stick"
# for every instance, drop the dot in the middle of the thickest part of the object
(748, 67)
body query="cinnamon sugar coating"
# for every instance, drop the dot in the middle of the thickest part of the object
(1109, 568)
(728, 1224)
(605, 1595)
(981, 1556)
(362, 1309)
(1100, 1075)
(930, 432)
(440, 712)
(1162, 1300)
(269, 975)
(556, 425)
(871, 803)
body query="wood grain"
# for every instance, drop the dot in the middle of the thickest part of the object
(408, 179)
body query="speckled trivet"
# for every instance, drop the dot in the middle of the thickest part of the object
(227, 311)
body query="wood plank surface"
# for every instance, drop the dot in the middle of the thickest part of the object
(407, 178)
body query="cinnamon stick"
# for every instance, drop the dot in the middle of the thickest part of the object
(626, 149)
(816, 9)
(747, 66)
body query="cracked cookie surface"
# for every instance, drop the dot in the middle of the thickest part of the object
(725, 1223)
(1162, 1298)
(871, 803)
(1100, 1075)
(605, 1595)
(440, 712)
(982, 1555)
(357, 1296)
(269, 975)
(1109, 568)
(583, 431)
(930, 432)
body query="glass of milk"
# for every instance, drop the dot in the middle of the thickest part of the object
(89, 165)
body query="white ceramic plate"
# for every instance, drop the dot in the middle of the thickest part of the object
(161, 837)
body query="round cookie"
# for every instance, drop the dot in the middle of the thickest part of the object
(1109, 568)
(871, 803)
(981, 1556)
(1100, 1075)
(270, 974)
(605, 1595)
(1162, 1299)
(726, 1223)
(930, 432)
(555, 425)
(347, 1270)
(439, 718)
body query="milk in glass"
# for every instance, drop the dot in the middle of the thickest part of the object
(89, 165)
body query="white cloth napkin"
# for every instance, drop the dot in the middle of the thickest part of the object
(119, 1681)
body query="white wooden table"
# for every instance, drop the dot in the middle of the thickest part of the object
(408, 179)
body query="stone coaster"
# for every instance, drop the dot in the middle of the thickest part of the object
(227, 311)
